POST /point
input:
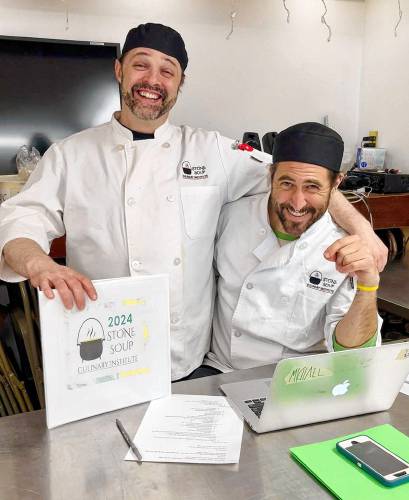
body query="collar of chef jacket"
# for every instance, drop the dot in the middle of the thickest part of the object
(160, 133)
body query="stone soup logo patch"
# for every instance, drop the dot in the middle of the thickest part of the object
(193, 172)
(321, 283)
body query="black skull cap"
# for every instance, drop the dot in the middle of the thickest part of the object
(311, 143)
(157, 37)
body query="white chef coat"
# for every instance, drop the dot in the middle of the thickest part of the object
(273, 301)
(139, 207)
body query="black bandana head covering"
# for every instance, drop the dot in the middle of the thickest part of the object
(309, 143)
(158, 37)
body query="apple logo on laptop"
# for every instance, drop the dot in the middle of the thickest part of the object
(341, 389)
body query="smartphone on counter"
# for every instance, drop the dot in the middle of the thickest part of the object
(375, 459)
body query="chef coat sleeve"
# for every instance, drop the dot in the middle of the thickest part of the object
(37, 211)
(336, 309)
(247, 173)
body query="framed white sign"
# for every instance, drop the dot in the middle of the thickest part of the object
(114, 353)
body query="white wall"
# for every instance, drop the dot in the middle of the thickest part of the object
(385, 80)
(269, 75)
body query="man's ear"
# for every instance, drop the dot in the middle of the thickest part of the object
(338, 180)
(118, 71)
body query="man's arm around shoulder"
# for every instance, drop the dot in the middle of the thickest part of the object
(346, 216)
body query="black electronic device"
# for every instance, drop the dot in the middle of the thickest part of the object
(50, 89)
(252, 139)
(369, 141)
(379, 182)
(268, 142)
(352, 182)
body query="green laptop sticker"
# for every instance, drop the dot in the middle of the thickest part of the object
(301, 378)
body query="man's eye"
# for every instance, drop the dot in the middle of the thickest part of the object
(167, 72)
(139, 66)
(286, 185)
(313, 187)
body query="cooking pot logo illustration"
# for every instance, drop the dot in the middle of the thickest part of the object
(186, 167)
(90, 339)
(315, 278)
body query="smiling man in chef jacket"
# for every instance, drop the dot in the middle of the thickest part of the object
(286, 268)
(139, 196)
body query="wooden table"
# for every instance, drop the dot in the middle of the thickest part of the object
(388, 210)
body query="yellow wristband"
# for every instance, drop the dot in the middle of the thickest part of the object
(364, 288)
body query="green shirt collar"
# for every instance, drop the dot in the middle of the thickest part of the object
(285, 236)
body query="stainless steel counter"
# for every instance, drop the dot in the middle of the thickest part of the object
(84, 460)
(393, 295)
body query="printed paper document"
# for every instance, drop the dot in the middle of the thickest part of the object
(190, 429)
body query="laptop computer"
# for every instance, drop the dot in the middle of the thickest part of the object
(322, 387)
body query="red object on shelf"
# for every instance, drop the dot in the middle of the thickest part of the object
(245, 147)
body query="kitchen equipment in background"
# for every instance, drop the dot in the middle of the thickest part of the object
(370, 158)
(268, 142)
(371, 140)
(378, 182)
(252, 139)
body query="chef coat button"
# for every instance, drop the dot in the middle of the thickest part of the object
(174, 318)
(303, 245)
(249, 286)
(166, 145)
(136, 265)
(170, 197)
(262, 231)
(120, 147)
(131, 202)
(177, 261)
(236, 333)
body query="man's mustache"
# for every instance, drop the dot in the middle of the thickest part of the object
(306, 209)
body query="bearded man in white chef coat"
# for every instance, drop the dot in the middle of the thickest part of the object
(290, 278)
(138, 196)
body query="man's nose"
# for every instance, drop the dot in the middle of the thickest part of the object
(153, 76)
(298, 200)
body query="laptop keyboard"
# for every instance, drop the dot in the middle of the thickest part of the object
(255, 405)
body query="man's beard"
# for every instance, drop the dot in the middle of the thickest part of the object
(151, 110)
(293, 227)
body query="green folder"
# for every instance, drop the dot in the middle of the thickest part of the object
(342, 477)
